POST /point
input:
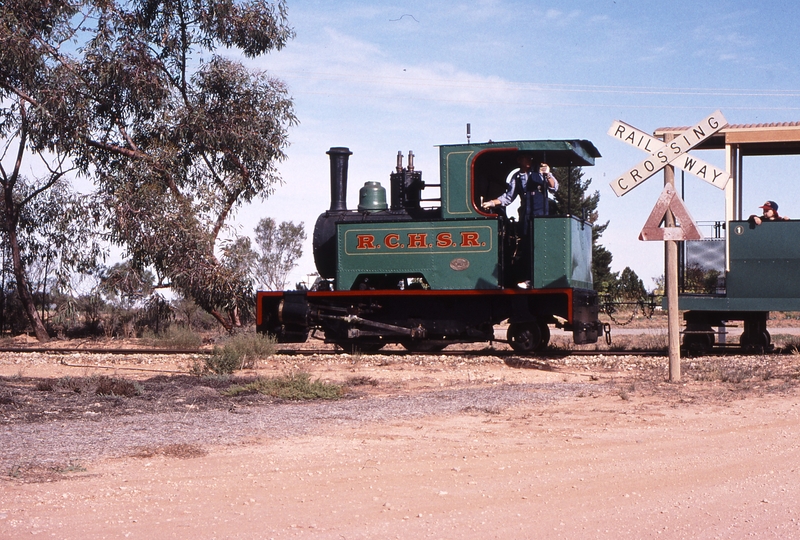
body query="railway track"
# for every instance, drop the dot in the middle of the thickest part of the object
(502, 353)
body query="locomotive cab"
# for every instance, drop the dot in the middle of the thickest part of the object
(556, 254)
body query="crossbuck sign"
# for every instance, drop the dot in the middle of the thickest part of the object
(673, 153)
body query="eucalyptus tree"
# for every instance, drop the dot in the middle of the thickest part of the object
(175, 135)
(49, 232)
(280, 247)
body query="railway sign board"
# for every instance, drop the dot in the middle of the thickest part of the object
(674, 152)
(669, 200)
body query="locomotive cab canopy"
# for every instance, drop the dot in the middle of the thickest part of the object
(474, 172)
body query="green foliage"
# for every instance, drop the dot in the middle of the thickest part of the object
(114, 90)
(240, 351)
(125, 283)
(190, 315)
(699, 280)
(156, 314)
(280, 247)
(12, 313)
(238, 255)
(295, 386)
(47, 233)
(80, 316)
(630, 287)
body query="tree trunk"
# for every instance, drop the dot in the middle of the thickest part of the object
(23, 288)
(222, 320)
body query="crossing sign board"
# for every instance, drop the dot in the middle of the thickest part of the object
(669, 200)
(675, 152)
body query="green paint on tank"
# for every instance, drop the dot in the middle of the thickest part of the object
(448, 254)
(562, 253)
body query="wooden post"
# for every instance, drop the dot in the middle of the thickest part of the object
(671, 275)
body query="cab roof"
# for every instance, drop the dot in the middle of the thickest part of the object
(557, 153)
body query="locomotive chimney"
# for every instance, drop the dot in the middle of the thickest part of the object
(339, 158)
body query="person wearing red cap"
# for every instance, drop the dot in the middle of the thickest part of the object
(770, 213)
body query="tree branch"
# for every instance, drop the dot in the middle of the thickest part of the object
(23, 139)
(127, 137)
(55, 176)
(128, 152)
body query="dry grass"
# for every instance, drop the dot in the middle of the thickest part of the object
(179, 451)
(293, 386)
(99, 385)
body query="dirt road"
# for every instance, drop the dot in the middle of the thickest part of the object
(422, 447)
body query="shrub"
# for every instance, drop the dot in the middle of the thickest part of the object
(107, 386)
(100, 385)
(241, 351)
(295, 386)
(174, 337)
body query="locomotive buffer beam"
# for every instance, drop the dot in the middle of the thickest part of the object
(415, 333)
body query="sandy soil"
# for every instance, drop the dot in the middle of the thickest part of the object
(420, 447)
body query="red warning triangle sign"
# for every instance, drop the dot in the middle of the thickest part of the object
(669, 200)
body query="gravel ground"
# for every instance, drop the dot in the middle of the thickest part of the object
(55, 417)
(420, 446)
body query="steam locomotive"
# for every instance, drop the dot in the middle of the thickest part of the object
(426, 273)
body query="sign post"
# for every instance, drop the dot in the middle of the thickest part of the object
(667, 154)
(671, 283)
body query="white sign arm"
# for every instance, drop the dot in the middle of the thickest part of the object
(662, 154)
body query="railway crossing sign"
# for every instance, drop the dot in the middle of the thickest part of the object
(674, 152)
(669, 200)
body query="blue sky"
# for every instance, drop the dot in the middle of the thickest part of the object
(379, 77)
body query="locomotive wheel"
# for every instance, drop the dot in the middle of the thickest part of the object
(526, 338)
(290, 334)
(545, 331)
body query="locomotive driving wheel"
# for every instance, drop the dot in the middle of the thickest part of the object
(528, 337)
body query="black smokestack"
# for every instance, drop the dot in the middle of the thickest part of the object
(339, 158)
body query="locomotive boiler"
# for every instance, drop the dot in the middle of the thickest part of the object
(428, 272)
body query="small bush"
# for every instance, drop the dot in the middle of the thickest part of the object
(174, 337)
(71, 384)
(44, 386)
(297, 386)
(102, 386)
(790, 344)
(361, 380)
(71, 467)
(241, 351)
(107, 386)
